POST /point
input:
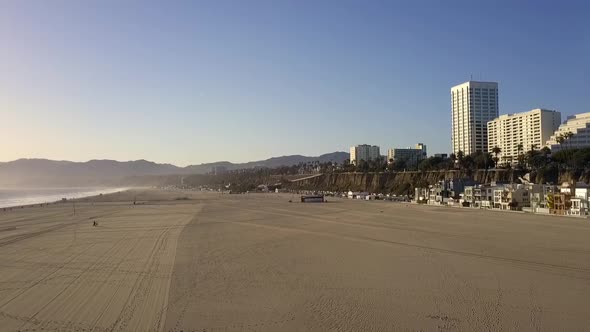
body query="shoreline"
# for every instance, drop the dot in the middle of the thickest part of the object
(41, 203)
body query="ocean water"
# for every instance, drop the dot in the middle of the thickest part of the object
(17, 197)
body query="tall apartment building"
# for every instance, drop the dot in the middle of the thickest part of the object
(363, 152)
(411, 156)
(473, 104)
(531, 129)
(579, 126)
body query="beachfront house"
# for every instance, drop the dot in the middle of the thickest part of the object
(580, 200)
(508, 196)
(362, 195)
(439, 193)
(421, 195)
(483, 196)
(499, 194)
(538, 197)
(560, 202)
(457, 186)
(352, 194)
(467, 199)
(576, 207)
(514, 197)
(572, 199)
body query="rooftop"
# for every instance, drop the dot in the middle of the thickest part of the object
(469, 83)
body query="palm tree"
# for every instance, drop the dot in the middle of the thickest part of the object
(372, 165)
(560, 139)
(496, 150)
(452, 158)
(519, 148)
(568, 138)
(363, 166)
(530, 155)
(460, 158)
(496, 159)
(509, 160)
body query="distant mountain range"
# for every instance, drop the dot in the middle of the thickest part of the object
(43, 172)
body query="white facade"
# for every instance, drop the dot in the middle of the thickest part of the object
(580, 201)
(531, 129)
(412, 156)
(579, 126)
(473, 104)
(363, 152)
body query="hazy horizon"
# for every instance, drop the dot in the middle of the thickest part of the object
(179, 165)
(196, 82)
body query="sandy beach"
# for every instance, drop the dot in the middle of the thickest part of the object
(255, 262)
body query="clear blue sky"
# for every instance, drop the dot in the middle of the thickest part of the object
(201, 81)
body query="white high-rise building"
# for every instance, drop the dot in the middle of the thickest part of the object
(579, 126)
(530, 129)
(473, 104)
(363, 152)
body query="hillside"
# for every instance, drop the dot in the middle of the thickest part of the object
(43, 172)
(337, 157)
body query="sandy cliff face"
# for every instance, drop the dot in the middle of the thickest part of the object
(399, 183)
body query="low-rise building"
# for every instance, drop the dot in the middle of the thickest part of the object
(567, 199)
(509, 196)
(468, 198)
(421, 195)
(483, 196)
(581, 205)
(515, 197)
(560, 202)
(437, 193)
(352, 194)
(498, 196)
(446, 191)
(539, 197)
(572, 199)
